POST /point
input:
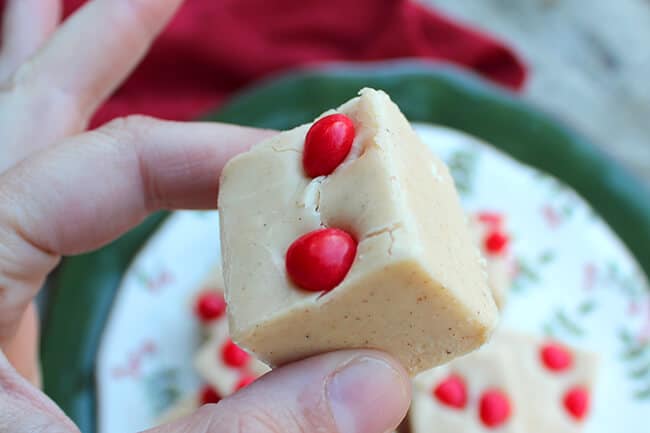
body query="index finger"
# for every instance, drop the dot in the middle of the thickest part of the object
(89, 189)
(94, 50)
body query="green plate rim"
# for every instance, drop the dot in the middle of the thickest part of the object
(75, 316)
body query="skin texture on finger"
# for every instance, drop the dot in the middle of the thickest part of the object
(96, 49)
(23, 408)
(22, 349)
(341, 392)
(26, 25)
(89, 189)
(86, 59)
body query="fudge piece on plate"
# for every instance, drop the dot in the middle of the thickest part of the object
(209, 303)
(488, 229)
(516, 383)
(348, 233)
(224, 365)
(220, 362)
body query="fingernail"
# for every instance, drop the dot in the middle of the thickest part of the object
(367, 395)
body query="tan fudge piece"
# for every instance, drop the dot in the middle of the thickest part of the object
(214, 278)
(499, 268)
(213, 282)
(416, 289)
(481, 370)
(211, 368)
(510, 362)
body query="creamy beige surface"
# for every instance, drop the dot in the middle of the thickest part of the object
(510, 362)
(498, 266)
(208, 362)
(211, 368)
(212, 282)
(481, 370)
(416, 289)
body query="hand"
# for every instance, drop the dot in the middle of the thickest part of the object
(65, 192)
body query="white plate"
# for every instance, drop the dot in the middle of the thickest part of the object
(576, 282)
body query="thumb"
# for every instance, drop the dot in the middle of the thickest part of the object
(341, 392)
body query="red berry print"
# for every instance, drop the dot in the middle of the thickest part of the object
(576, 402)
(491, 219)
(209, 395)
(244, 382)
(210, 306)
(496, 242)
(234, 355)
(494, 408)
(452, 392)
(556, 357)
(320, 260)
(327, 143)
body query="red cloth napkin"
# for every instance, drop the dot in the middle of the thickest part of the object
(215, 47)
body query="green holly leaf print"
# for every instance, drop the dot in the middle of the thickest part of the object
(462, 165)
(640, 372)
(643, 394)
(162, 388)
(546, 257)
(587, 307)
(528, 269)
(636, 357)
(568, 324)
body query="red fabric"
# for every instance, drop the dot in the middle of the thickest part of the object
(215, 47)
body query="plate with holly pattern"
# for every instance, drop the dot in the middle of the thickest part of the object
(574, 281)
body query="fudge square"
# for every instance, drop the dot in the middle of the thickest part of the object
(488, 229)
(348, 233)
(224, 365)
(516, 383)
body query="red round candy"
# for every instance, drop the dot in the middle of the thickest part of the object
(452, 392)
(496, 242)
(556, 357)
(244, 382)
(492, 219)
(494, 408)
(234, 355)
(209, 395)
(576, 402)
(328, 142)
(320, 260)
(210, 306)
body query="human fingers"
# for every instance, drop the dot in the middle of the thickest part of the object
(341, 392)
(23, 408)
(54, 94)
(22, 349)
(95, 49)
(88, 190)
(26, 25)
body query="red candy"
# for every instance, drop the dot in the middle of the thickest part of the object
(494, 408)
(452, 392)
(576, 402)
(556, 357)
(320, 260)
(244, 382)
(496, 242)
(209, 395)
(210, 306)
(328, 142)
(234, 355)
(491, 219)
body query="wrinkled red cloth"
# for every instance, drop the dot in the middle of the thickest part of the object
(212, 48)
